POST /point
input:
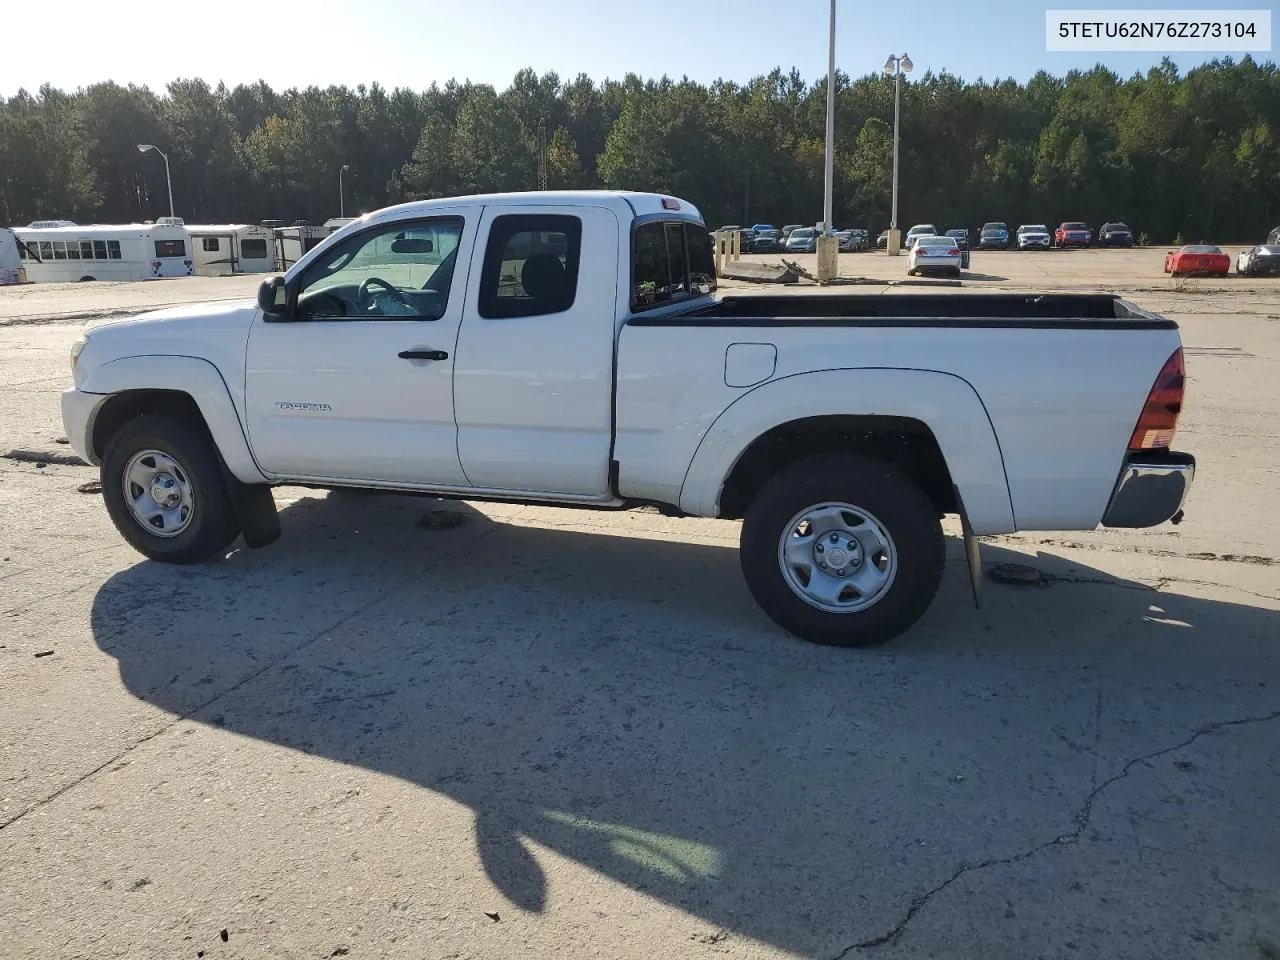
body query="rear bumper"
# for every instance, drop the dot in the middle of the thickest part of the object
(1151, 489)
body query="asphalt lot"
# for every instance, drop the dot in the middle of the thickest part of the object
(549, 733)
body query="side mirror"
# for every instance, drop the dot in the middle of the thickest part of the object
(273, 297)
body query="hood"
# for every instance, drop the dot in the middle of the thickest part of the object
(187, 315)
(216, 332)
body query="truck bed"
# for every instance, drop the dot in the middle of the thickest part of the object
(1048, 311)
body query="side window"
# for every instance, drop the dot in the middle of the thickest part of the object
(113, 249)
(59, 250)
(530, 266)
(73, 250)
(397, 271)
(253, 249)
(100, 249)
(671, 260)
(209, 244)
(46, 250)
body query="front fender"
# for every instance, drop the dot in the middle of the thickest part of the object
(199, 379)
(945, 403)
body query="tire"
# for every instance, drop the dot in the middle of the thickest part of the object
(843, 492)
(86, 279)
(955, 272)
(180, 457)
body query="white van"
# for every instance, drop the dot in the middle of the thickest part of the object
(132, 251)
(220, 250)
(10, 259)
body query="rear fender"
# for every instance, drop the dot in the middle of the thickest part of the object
(946, 404)
(195, 377)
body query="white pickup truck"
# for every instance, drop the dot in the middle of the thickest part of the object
(568, 348)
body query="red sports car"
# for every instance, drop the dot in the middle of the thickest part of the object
(1072, 234)
(1197, 258)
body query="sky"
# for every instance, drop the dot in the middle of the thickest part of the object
(413, 43)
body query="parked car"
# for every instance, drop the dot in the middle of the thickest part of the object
(786, 232)
(1273, 237)
(803, 240)
(993, 236)
(847, 241)
(1197, 258)
(861, 239)
(1072, 233)
(1034, 236)
(765, 241)
(960, 235)
(1115, 235)
(934, 254)
(760, 227)
(713, 408)
(882, 239)
(919, 230)
(1262, 260)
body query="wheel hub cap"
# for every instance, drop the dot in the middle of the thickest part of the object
(158, 493)
(837, 557)
(165, 491)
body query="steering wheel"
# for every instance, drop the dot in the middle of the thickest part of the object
(367, 297)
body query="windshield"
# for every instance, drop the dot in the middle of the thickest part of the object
(1115, 226)
(804, 233)
(994, 226)
(1034, 228)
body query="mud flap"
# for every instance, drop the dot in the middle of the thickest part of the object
(972, 550)
(255, 510)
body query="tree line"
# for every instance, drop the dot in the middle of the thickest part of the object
(1194, 155)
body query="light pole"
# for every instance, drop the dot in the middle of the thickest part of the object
(143, 148)
(827, 247)
(828, 186)
(342, 197)
(895, 66)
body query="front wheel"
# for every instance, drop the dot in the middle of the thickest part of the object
(842, 549)
(163, 487)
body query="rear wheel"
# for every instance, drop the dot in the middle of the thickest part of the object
(163, 487)
(842, 549)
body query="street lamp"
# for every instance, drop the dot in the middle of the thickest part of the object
(143, 148)
(342, 199)
(829, 179)
(895, 66)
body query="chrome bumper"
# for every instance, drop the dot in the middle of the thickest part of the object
(1150, 490)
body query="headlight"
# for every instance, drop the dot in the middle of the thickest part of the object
(76, 349)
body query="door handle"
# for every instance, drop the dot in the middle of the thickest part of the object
(423, 355)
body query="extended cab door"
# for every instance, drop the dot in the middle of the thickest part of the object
(355, 381)
(533, 386)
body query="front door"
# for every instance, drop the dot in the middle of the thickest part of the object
(356, 382)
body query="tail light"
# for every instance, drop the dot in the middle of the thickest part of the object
(1159, 416)
(155, 264)
(953, 252)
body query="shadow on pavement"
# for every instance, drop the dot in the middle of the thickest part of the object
(623, 702)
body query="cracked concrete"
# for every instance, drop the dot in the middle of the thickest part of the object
(377, 736)
(1082, 820)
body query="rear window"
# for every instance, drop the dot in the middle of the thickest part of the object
(1200, 248)
(670, 260)
(253, 249)
(171, 248)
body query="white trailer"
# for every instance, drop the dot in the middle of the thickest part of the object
(10, 258)
(223, 249)
(131, 251)
(292, 242)
(334, 224)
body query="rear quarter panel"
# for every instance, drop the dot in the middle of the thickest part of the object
(1059, 406)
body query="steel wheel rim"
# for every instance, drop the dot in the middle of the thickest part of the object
(158, 493)
(837, 557)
